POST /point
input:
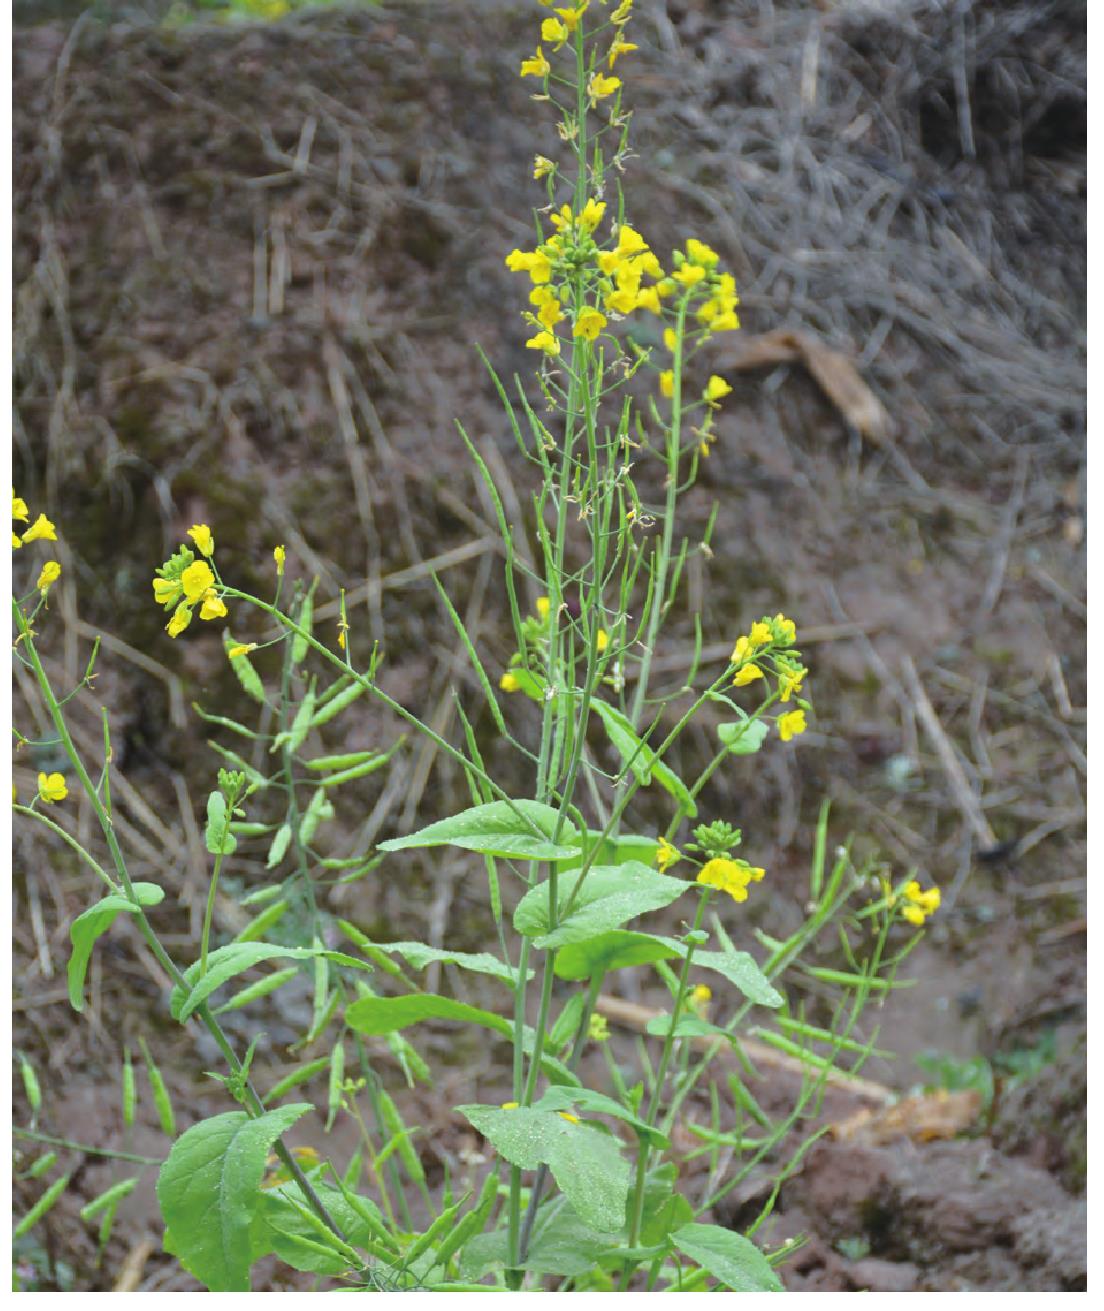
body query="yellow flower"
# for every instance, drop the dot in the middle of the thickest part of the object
(166, 590)
(196, 580)
(760, 633)
(791, 724)
(623, 301)
(667, 383)
(589, 323)
(789, 682)
(201, 535)
(600, 86)
(213, 606)
(566, 1115)
(510, 1106)
(598, 1028)
(542, 166)
(666, 855)
(689, 275)
(41, 530)
(727, 322)
(670, 339)
(748, 674)
(648, 299)
(544, 606)
(629, 241)
(553, 30)
(544, 341)
(921, 903)
(19, 508)
(536, 65)
(601, 640)
(699, 999)
(716, 388)
(182, 617)
(51, 787)
(571, 16)
(533, 262)
(619, 47)
(51, 572)
(509, 682)
(731, 876)
(279, 555)
(592, 214)
(699, 253)
(242, 648)
(784, 629)
(621, 14)
(17, 541)
(550, 313)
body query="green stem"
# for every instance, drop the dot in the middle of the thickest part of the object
(50, 1141)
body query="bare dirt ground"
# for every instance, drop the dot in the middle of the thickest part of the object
(251, 264)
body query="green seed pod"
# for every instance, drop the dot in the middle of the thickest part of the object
(44, 1203)
(160, 1092)
(130, 1093)
(30, 1084)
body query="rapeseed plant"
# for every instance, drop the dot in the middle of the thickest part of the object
(587, 747)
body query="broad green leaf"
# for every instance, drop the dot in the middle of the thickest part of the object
(609, 896)
(613, 951)
(285, 1225)
(209, 1191)
(744, 737)
(641, 759)
(233, 959)
(521, 829)
(739, 968)
(586, 1163)
(585, 1101)
(561, 1245)
(96, 920)
(664, 1208)
(378, 1015)
(614, 851)
(688, 1026)
(243, 667)
(219, 839)
(729, 1257)
(418, 955)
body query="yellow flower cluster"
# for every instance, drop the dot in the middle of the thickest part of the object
(919, 903)
(42, 530)
(770, 640)
(183, 582)
(731, 876)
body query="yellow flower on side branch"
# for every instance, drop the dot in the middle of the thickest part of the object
(50, 573)
(51, 787)
(731, 876)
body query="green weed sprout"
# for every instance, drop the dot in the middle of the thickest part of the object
(584, 1189)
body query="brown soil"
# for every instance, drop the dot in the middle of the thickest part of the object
(374, 167)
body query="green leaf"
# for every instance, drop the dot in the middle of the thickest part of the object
(610, 895)
(586, 1163)
(688, 1026)
(285, 1225)
(521, 829)
(233, 959)
(96, 920)
(664, 1209)
(219, 839)
(378, 1015)
(243, 667)
(613, 951)
(641, 759)
(745, 736)
(561, 1244)
(730, 1258)
(587, 1101)
(418, 955)
(739, 968)
(209, 1192)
